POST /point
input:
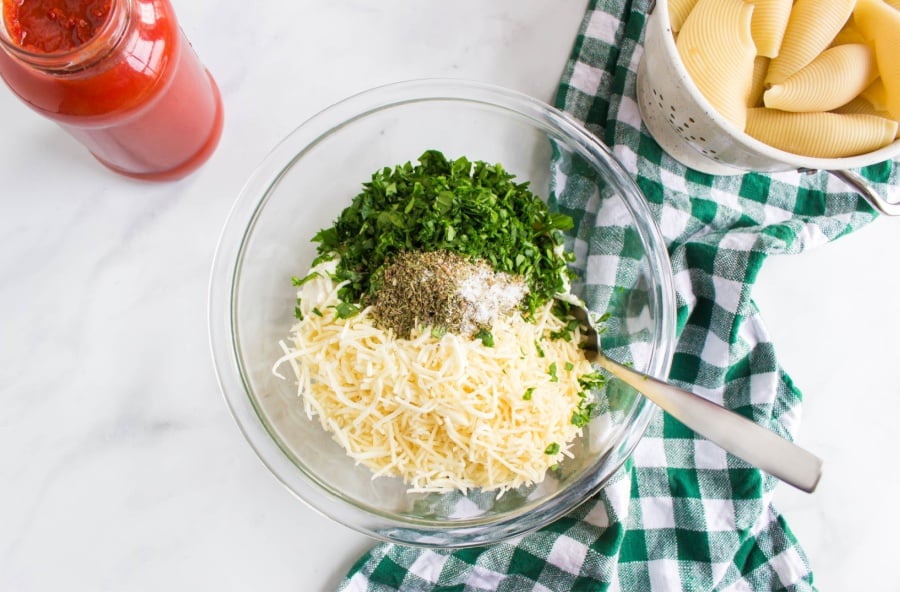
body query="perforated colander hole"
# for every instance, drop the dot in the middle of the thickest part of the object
(683, 128)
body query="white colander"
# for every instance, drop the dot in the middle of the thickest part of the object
(689, 129)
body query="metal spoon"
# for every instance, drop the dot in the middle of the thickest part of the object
(735, 433)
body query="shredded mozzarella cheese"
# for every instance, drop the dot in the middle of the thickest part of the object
(443, 414)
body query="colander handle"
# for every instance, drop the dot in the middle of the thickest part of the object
(861, 186)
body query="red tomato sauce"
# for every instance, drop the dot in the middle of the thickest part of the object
(49, 26)
(142, 103)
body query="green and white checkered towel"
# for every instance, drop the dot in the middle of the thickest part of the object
(681, 514)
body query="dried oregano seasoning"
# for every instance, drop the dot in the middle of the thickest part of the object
(442, 290)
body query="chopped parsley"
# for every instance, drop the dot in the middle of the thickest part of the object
(345, 310)
(528, 393)
(475, 209)
(582, 415)
(592, 380)
(552, 449)
(566, 332)
(486, 337)
(561, 310)
(585, 410)
(296, 282)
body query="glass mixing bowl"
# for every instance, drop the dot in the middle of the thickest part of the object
(302, 186)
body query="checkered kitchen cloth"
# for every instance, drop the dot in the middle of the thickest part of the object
(682, 514)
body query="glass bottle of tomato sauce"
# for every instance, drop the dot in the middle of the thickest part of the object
(119, 76)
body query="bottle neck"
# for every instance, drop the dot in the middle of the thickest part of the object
(103, 42)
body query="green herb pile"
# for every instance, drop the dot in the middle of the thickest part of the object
(474, 209)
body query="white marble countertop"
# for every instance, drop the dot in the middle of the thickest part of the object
(120, 467)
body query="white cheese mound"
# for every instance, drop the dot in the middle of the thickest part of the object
(443, 414)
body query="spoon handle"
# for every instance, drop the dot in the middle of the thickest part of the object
(735, 433)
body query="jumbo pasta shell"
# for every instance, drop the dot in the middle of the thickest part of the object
(820, 135)
(876, 94)
(678, 12)
(881, 24)
(860, 106)
(811, 28)
(716, 47)
(770, 19)
(829, 81)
